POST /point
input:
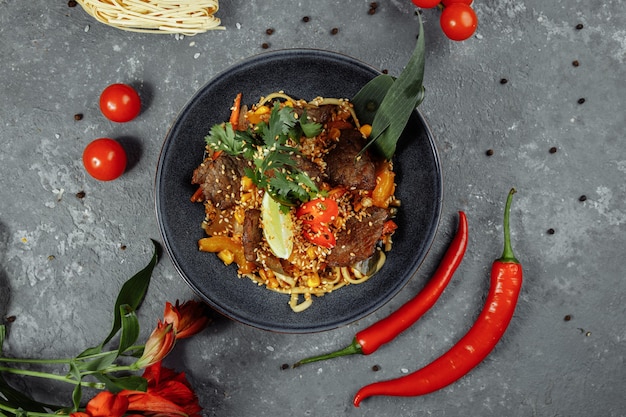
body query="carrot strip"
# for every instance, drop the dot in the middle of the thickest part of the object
(234, 115)
(197, 196)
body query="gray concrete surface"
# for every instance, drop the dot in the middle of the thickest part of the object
(63, 258)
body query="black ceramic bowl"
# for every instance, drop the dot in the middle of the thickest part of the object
(300, 73)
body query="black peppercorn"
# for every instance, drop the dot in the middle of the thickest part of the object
(582, 198)
(581, 100)
(489, 152)
(71, 3)
(551, 231)
(579, 26)
(265, 45)
(553, 149)
(306, 19)
(334, 31)
(80, 194)
(575, 63)
(567, 317)
(269, 31)
(78, 116)
(375, 368)
(503, 81)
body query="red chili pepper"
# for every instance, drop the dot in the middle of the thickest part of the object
(319, 234)
(506, 282)
(319, 210)
(370, 339)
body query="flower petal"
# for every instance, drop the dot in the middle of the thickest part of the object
(146, 401)
(107, 404)
(158, 346)
(188, 318)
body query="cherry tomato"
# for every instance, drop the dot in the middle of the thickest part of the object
(319, 211)
(426, 4)
(104, 159)
(458, 21)
(446, 3)
(120, 103)
(320, 235)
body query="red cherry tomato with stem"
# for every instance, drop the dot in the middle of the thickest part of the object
(104, 159)
(449, 2)
(426, 4)
(458, 21)
(120, 103)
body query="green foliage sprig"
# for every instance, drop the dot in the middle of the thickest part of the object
(274, 166)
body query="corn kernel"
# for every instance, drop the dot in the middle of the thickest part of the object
(313, 281)
(255, 116)
(311, 253)
(262, 110)
(246, 183)
(366, 130)
(226, 256)
(334, 133)
(246, 197)
(270, 279)
(240, 214)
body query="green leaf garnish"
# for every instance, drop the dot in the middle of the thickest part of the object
(392, 101)
(309, 128)
(273, 159)
(368, 100)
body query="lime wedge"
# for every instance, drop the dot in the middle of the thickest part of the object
(277, 227)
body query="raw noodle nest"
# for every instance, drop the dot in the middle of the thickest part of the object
(186, 17)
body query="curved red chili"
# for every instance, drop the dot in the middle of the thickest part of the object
(370, 339)
(506, 282)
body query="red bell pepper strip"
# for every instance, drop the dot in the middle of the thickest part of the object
(370, 339)
(467, 353)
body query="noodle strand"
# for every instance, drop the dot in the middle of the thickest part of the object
(187, 17)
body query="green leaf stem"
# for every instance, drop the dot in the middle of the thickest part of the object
(116, 384)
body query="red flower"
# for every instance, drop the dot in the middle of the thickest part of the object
(187, 319)
(158, 345)
(105, 404)
(168, 394)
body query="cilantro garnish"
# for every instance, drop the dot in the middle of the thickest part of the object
(274, 163)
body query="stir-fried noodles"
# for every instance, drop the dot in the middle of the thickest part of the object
(292, 199)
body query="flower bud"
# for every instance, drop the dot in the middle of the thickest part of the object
(159, 344)
(188, 319)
